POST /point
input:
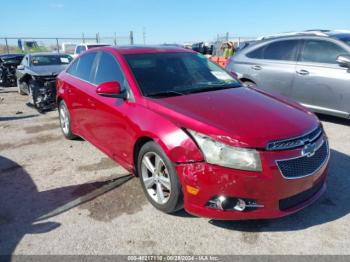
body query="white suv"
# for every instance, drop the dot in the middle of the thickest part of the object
(84, 46)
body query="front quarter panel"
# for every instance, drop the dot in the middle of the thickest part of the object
(175, 142)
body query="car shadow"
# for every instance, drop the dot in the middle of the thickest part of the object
(23, 207)
(333, 205)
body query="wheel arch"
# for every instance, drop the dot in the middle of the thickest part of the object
(245, 79)
(25, 78)
(140, 142)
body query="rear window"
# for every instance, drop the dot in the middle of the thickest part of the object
(281, 50)
(40, 60)
(94, 46)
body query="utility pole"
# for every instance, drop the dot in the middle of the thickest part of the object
(97, 37)
(144, 35)
(131, 37)
(7, 46)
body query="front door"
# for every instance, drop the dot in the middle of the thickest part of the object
(320, 83)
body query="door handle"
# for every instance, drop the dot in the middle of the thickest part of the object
(256, 67)
(303, 72)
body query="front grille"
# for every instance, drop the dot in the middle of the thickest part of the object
(304, 165)
(295, 141)
(295, 200)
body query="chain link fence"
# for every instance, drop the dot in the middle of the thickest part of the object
(220, 40)
(59, 44)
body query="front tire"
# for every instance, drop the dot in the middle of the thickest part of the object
(65, 121)
(159, 179)
(20, 88)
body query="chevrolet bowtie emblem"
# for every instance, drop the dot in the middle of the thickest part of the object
(309, 150)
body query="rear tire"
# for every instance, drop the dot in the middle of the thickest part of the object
(65, 121)
(162, 187)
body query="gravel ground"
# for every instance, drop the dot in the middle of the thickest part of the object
(66, 197)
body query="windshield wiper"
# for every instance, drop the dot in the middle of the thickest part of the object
(165, 94)
(207, 88)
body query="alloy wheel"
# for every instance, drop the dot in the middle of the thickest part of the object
(155, 177)
(64, 120)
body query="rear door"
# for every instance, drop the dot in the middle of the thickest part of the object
(273, 66)
(80, 89)
(320, 82)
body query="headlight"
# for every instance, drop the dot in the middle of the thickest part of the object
(221, 154)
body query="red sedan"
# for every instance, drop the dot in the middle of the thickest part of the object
(193, 134)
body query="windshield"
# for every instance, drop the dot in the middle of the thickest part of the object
(40, 60)
(12, 59)
(169, 74)
(344, 37)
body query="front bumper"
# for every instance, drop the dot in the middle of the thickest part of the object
(268, 188)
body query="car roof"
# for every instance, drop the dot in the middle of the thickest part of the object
(308, 33)
(145, 49)
(46, 54)
(101, 44)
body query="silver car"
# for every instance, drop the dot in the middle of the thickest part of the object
(311, 68)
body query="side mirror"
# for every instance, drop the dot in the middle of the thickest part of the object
(344, 60)
(20, 67)
(111, 89)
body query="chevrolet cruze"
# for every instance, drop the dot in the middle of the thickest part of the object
(193, 134)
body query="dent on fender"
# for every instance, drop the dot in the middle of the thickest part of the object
(181, 147)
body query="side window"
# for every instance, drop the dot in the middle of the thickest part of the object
(281, 50)
(84, 66)
(73, 68)
(319, 51)
(257, 53)
(108, 70)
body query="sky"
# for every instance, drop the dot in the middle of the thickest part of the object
(169, 21)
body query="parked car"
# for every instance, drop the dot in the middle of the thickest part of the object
(36, 77)
(68, 48)
(8, 65)
(193, 134)
(310, 67)
(84, 47)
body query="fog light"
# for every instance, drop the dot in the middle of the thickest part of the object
(234, 204)
(240, 205)
(220, 202)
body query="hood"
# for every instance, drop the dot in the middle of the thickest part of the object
(238, 116)
(48, 69)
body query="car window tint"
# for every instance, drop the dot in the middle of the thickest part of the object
(321, 52)
(108, 70)
(73, 68)
(257, 53)
(281, 50)
(85, 65)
